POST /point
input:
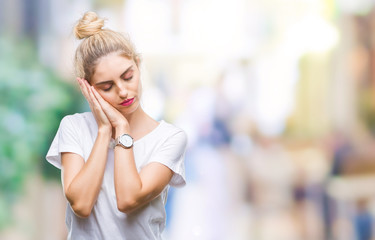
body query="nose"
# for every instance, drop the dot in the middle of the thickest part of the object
(123, 91)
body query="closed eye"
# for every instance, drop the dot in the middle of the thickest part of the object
(107, 87)
(128, 74)
(128, 78)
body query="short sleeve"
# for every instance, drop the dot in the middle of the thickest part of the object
(65, 140)
(172, 154)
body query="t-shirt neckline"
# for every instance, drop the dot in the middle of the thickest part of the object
(150, 133)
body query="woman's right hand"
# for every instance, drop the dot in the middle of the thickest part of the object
(101, 118)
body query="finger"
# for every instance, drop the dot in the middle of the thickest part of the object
(92, 96)
(98, 103)
(88, 88)
(97, 107)
(113, 115)
(83, 88)
(105, 106)
(80, 84)
(108, 109)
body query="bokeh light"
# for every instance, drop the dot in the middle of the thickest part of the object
(277, 98)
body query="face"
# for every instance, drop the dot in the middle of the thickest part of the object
(117, 79)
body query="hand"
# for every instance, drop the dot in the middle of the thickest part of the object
(117, 120)
(101, 118)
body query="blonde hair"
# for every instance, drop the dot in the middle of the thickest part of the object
(98, 42)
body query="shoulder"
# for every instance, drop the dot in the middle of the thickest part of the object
(170, 131)
(78, 118)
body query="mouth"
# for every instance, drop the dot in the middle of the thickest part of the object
(127, 102)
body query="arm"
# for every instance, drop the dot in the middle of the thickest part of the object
(82, 181)
(134, 189)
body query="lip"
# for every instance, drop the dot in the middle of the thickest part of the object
(127, 102)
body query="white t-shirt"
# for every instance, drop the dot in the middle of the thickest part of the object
(165, 144)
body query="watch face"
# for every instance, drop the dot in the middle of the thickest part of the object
(126, 140)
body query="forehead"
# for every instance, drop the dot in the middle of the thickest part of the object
(110, 67)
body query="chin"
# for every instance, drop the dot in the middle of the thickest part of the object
(132, 109)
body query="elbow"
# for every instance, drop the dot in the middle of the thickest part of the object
(81, 210)
(80, 207)
(126, 206)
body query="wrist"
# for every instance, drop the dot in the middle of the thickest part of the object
(106, 132)
(120, 130)
(125, 141)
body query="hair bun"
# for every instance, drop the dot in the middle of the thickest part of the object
(88, 25)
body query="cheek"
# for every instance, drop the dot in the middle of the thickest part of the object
(139, 88)
(108, 98)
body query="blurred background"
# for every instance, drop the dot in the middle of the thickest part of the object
(277, 98)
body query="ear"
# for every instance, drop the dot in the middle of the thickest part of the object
(137, 61)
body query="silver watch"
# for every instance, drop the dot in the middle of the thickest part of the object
(125, 141)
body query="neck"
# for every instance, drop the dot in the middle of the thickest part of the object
(140, 123)
(135, 117)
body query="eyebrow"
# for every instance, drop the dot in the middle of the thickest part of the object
(122, 76)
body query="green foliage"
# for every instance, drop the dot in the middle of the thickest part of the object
(33, 100)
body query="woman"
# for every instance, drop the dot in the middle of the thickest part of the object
(116, 162)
